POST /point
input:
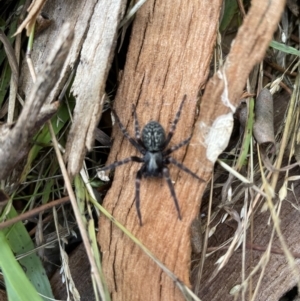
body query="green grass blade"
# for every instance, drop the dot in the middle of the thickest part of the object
(247, 136)
(20, 243)
(18, 286)
(230, 10)
(284, 48)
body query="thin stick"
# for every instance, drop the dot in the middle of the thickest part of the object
(81, 226)
(286, 133)
(33, 212)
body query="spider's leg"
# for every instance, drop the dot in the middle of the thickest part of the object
(172, 190)
(136, 124)
(137, 193)
(125, 133)
(176, 147)
(181, 166)
(118, 163)
(137, 128)
(173, 126)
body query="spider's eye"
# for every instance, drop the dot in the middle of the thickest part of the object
(153, 136)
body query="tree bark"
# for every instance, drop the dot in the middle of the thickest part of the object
(169, 56)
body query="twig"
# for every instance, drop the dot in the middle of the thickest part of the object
(33, 212)
(81, 226)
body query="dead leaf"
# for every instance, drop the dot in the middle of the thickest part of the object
(263, 129)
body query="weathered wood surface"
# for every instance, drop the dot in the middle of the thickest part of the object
(91, 75)
(169, 56)
(78, 14)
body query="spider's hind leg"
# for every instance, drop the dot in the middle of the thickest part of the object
(182, 167)
(118, 163)
(172, 190)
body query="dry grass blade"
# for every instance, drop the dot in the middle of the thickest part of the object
(33, 12)
(131, 12)
(65, 262)
(276, 228)
(287, 131)
(11, 57)
(205, 240)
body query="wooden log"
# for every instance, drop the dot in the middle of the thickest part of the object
(169, 56)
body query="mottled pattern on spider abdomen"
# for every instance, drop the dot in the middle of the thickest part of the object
(153, 136)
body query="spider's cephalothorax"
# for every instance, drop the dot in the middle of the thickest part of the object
(153, 136)
(152, 145)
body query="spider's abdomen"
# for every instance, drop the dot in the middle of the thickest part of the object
(153, 164)
(153, 136)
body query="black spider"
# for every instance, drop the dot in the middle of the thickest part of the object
(155, 158)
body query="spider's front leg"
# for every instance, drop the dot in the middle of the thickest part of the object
(176, 147)
(118, 163)
(136, 125)
(174, 123)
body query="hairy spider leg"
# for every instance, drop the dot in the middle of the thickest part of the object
(181, 166)
(172, 190)
(176, 147)
(124, 161)
(174, 123)
(137, 127)
(136, 124)
(125, 133)
(137, 193)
